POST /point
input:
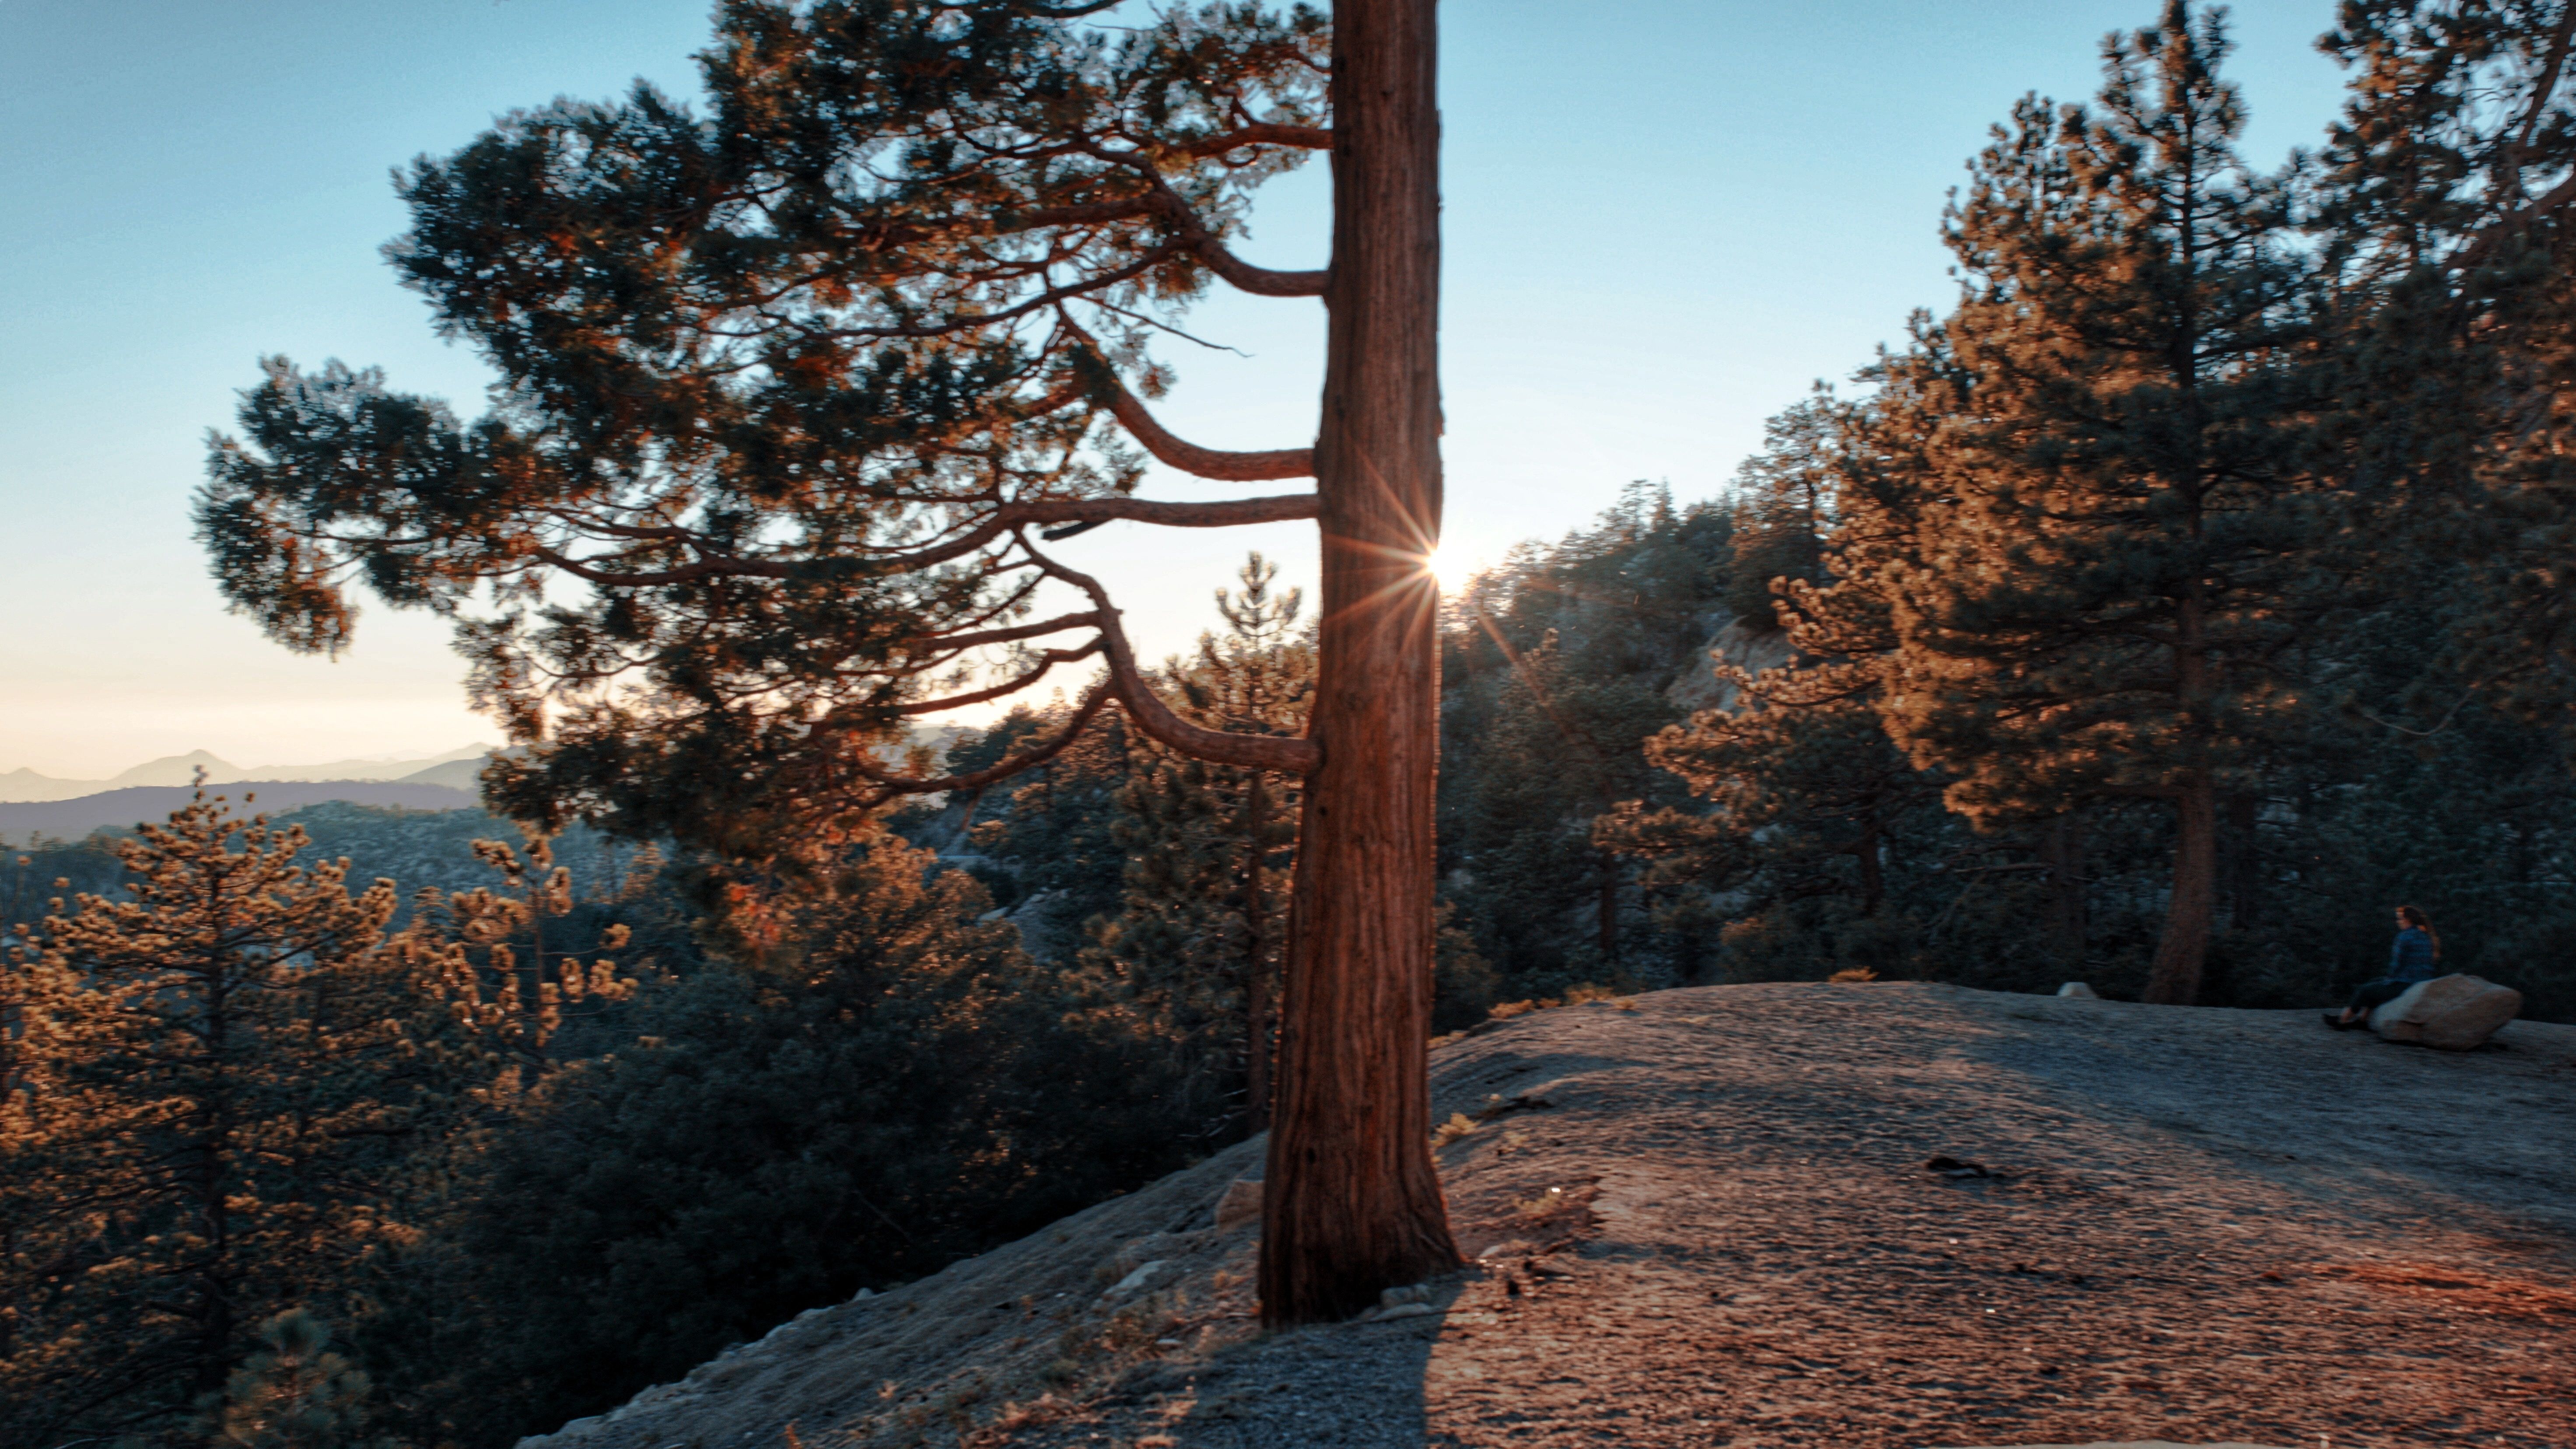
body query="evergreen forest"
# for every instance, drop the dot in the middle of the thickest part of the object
(2184, 594)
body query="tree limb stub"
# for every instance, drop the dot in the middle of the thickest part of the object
(1205, 462)
(1260, 281)
(1281, 508)
(1287, 754)
(1193, 233)
(1263, 133)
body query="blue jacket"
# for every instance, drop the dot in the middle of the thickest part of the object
(2410, 957)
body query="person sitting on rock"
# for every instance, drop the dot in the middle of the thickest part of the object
(2411, 960)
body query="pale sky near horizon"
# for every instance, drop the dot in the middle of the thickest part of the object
(1663, 219)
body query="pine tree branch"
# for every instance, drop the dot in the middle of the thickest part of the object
(1194, 233)
(1233, 512)
(2496, 234)
(1262, 133)
(952, 643)
(1229, 513)
(1287, 754)
(656, 578)
(1092, 365)
(1036, 11)
(1260, 281)
(1204, 462)
(1053, 296)
(891, 785)
(2552, 66)
(1047, 660)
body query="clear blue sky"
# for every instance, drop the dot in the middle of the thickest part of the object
(1664, 218)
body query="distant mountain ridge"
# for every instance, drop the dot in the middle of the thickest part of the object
(454, 769)
(34, 804)
(125, 808)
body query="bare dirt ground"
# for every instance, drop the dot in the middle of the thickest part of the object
(1703, 1218)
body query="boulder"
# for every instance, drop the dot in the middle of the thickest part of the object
(1410, 1301)
(2455, 1013)
(1137, 1279)
(2078, 990)
(1241, 1203)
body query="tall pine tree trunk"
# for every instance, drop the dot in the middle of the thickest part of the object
(1606, 928)
(2063, 850)
(1256, 956)
(204, 1158)
(2244, 860)
(1873, 877)
(2174, 979)
(1353, 1204)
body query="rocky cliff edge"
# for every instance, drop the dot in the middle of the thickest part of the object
(1860, 1216)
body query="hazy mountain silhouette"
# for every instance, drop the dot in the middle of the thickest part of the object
(455, 769)
(171, 770)
(126, 807)
(380, 768)
(28, 785)
(460, 774)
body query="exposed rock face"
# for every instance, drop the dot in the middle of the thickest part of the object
(1739, 645)
(1707, 1220)
(2456, 1013)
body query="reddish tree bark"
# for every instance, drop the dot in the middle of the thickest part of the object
(1354, 1204)
(2174, 979)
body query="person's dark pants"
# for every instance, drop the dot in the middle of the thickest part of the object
(2369, 996)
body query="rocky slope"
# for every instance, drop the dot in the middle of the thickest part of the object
(1736, 645)
(1704, 1217)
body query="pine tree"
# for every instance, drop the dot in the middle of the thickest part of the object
(1201, 930)
(213, 1091)
(879, 1084)
(1559, 748)
(487, 951)
(292, 1394)
(1557, 666)
(790, 393)
(1803, 795)
(2445, 196)
(1805, 798)
(1782, 506)
(1052, 836)
(2116, 540)
(52, 1112)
